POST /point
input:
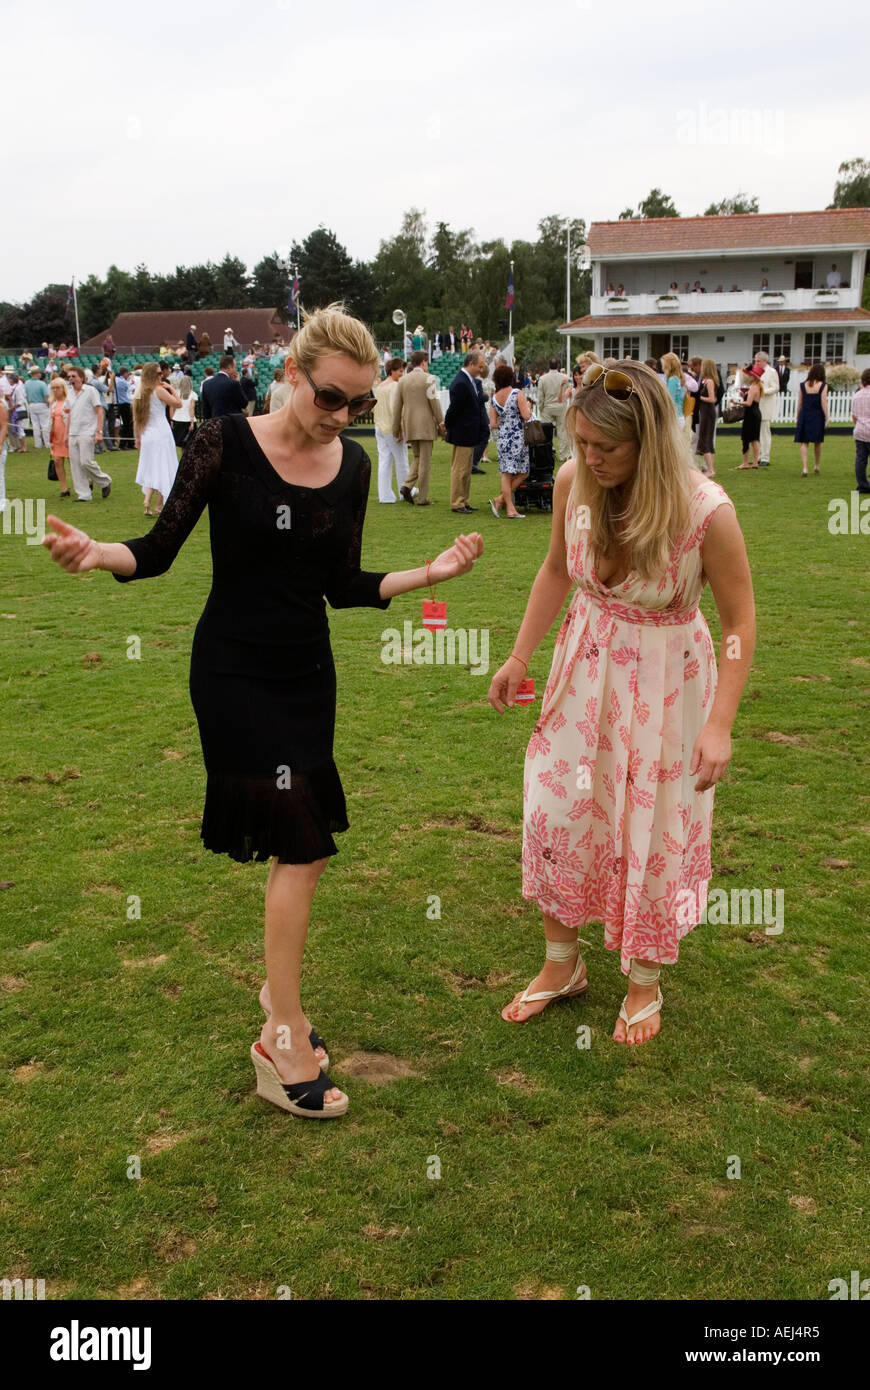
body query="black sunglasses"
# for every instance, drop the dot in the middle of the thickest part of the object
(325, 398)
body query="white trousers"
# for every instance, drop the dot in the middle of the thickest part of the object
(41, 422)
(390, 451)
(764, 441)
(84, 470)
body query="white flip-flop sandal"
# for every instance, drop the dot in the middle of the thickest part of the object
(653, 1008)
(568, 991)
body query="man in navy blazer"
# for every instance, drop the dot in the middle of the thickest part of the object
(223, 394)
(467, 426)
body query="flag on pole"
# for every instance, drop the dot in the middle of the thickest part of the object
(71, 297)
(509, 297)
(293, 301)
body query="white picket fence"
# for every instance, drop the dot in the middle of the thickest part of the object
(839, 407)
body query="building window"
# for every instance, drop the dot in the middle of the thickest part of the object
(631, 348)
(812, 347)
(833, 347)
(760, 343)
(782, 345)
(610, 347)
(680, 346)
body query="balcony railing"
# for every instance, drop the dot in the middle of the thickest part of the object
(737, 302)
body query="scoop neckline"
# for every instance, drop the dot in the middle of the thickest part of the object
(266, 464)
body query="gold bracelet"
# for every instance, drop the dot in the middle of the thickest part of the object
(524, 664)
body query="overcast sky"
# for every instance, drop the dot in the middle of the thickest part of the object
(173, 133)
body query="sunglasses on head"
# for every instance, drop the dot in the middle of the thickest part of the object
(617, 384)
(326, 398)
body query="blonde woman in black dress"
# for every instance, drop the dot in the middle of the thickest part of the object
(287, 497)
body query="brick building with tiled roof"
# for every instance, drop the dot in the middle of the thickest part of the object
(144, 332)
(726, 287)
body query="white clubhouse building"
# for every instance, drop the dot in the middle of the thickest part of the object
(788, 284)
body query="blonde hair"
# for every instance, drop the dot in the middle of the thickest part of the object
(709, 371)
(672, 366)
(333, 330)
(588, 359)
(656, 512)
(184, 387)
(149, 379)
(58, 385)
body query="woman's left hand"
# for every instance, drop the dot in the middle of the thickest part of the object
(710, 757)
(457, 560)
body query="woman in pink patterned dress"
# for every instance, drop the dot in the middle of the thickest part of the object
(633, 732)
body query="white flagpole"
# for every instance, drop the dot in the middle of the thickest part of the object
(568, 297)
(511, 309)
(296, 278)
(76, 307)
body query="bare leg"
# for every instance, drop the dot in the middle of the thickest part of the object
(159, 506)
(516, 479)
(289, 894)
(804, 448)
(710, 464)
(554, 975)
(817, 452)
(60, 470)
(507, 495)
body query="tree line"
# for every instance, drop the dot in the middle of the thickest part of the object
(437, 274)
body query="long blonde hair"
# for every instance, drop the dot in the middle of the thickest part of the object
(656, 512)
(148, 381)
(672, 366)
(709, 371)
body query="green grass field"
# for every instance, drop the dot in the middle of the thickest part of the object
(126, 1038)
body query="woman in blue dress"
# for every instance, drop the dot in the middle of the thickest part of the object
(812, 416)
(507, 411)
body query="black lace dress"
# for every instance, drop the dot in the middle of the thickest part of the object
(262, 677)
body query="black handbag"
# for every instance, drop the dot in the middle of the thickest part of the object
(733, 414)
(52, 471)
(534, 433)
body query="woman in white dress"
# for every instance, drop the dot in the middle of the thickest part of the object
(158, 461)
(184, 418)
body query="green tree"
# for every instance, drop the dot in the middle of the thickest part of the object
(730, 207)
(271, 279)
(232, 284)
(852, 189)
(47, 317)
(401, 277)
(550, 257)
(655, 204)
(326, 270)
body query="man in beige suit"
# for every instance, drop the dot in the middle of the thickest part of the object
(548, 408)
(417, 418)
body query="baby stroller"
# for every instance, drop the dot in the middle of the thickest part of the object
(537, 490)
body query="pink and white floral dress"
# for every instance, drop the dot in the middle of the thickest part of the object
(613, 829)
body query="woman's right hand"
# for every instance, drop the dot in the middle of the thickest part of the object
(503, 690)
(73, 550)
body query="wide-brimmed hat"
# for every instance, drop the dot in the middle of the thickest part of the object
(756, 370)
